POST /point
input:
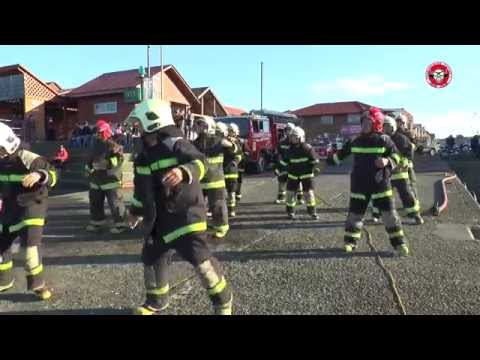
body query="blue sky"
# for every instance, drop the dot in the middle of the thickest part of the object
(294, 76)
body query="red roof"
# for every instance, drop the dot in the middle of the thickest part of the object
(113, 82)
(234, 111)
(347, 107)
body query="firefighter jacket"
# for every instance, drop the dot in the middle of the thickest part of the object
(104, 166)
(301, 161)
(24, 206)
(169, 213)
(406, 150)
(366, 177)
(282, 150)
(231, 160)
(211, 146)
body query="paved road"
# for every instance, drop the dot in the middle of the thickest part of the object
(275, 265)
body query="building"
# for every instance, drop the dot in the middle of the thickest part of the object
(332, 119)
(233, 111)
(25, 99)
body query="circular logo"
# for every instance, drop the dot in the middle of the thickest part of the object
(438, 74)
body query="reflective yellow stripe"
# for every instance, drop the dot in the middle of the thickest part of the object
(114, 161)
(405, 162)
(215, 160)
(292, 204)
(285, 146)
(36, 270)
(11, 178)
(293, 177)
(414, 146)
(312, 203)
(387, 193)
(221, 228)
(1, 228)
(160, 291)
(336, 159)
(307, 176)
(6, 266)
(26, 222)
(368, 150)
(214, 185)
(396, 234)
(283, 163)
(231, 176)
(163, 164)
(400, 176)
(413, 209)
(410, 164)
(136, 203)
(358, 196)
(201, 168)
(201, 226)
(111, 186)
(53, 175)
(217, 289)
(143, 170)
(355, 235)
(94, 186)
(396, 157)
(299, 160)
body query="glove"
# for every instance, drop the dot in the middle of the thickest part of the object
(226, 143)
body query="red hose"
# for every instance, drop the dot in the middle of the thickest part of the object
(444, 204)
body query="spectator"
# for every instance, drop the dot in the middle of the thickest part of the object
(61, 157)
(450, 142)
(86, 134)
(474, 144)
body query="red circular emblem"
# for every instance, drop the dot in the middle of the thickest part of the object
(438, 74)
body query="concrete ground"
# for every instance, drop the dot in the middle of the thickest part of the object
(274, 265)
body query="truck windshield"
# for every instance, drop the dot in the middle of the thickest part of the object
(242, 123)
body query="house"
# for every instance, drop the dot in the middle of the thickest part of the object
(233, 111)
(209, 103)
(341, 118)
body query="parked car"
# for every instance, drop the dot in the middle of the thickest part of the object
(323, 148)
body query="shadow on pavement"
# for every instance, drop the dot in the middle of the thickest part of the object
(18, 298)
(297, 224)
(98, 311)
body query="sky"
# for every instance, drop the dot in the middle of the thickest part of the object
(294, 76)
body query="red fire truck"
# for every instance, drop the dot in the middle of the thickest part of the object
(262, 130)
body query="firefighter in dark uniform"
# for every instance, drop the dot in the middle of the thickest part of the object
(302, 164)
(104, 170)
(213, 183)
(231, 162)
(375, 155)
(400, 177)
(402, 127)
(25, 179)
(169, 200)
(244, 153)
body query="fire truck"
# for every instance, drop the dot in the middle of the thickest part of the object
(262, 130)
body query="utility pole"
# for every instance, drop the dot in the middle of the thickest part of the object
(261, 86)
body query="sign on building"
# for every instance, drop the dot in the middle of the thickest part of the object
(105, 108)
(349, 130)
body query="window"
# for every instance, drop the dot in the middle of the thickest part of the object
(326, 120)
(256, 125)
(353, 119)
(106, 108)
(265, 126)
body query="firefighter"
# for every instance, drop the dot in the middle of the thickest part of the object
(213, 183)
(244, 154)
(302, 165)
(375, 155)
(168, 198)
(402, 127)
(281, 167)
(230, 167)
(25, 179)
(400, 178)
(104, 171)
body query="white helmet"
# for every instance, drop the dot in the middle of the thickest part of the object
(234, 129)
(290, 126)
(152, 114)
(390, 122)
(299, 133)
(402, 119)
(222, 129)
(8, 140)
(208, 121)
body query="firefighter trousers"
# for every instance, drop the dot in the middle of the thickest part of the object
(238, 190)
(231, 183)
(217, 205)
(411, 205)
(385, 203)
(294, 187)
(157, 258)
(30, 231)
(115, 201)
(282, 187)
